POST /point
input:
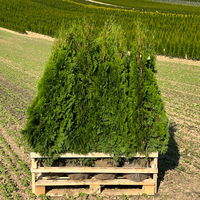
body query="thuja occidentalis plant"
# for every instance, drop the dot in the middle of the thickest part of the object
(98, 94)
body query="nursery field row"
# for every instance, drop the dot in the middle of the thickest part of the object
(181, 2)
(15, 168)
(157, 5)
(180, 88)
(174, 33)
(18, 86)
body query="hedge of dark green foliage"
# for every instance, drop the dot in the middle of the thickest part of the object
(98, 95)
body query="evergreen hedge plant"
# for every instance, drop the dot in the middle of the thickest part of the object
(98, 94)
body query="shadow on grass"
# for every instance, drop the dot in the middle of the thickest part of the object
(170, 159)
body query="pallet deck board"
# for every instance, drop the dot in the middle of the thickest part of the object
(127, 170)
(106, 192)
(92, 181)
(92, 155)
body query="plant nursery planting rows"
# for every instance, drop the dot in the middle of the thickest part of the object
(17, 86)
(174, 34)
(154, 6)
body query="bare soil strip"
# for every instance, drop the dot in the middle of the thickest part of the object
(105, 4)
(178, 60)
(29, 34)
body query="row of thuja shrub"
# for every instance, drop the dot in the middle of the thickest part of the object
(98, 94)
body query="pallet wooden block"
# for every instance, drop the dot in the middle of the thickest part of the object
(104, 187)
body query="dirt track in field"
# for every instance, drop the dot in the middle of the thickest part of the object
(105, 4)
(29, 34)
(178, 60)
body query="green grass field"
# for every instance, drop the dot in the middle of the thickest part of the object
(22, 63)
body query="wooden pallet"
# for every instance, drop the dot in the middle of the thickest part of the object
(118, 186)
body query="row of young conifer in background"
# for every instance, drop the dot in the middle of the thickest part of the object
(156, 5)
(174, 34)
(98, 94)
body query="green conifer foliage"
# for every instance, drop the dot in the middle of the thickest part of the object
(151, 123)
(98, 95)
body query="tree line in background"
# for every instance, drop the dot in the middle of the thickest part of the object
(174, 34)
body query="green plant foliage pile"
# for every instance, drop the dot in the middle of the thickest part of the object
(98, 94)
